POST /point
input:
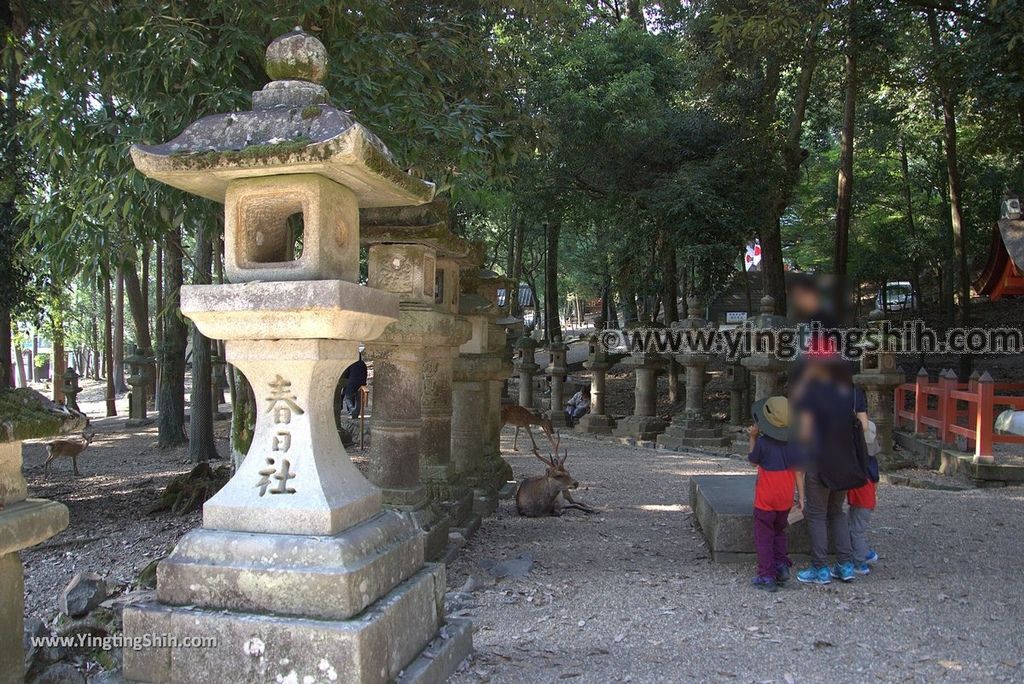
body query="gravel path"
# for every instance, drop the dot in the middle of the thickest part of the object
(631, 595)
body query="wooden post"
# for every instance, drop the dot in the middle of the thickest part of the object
(947, 405)
(920, 399)
(972, 406)
(983, 424)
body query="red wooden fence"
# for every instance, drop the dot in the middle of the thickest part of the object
(953, 408)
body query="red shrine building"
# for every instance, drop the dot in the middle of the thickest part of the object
(1003, 275)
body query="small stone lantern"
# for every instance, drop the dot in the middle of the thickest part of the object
(71, 389)
(139, 379)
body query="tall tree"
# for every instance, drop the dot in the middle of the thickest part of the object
(171, 423)
(844, 193)
(201, 445)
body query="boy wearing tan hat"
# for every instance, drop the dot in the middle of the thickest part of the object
(778, 475)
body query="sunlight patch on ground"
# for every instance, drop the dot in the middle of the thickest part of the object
(662, 508)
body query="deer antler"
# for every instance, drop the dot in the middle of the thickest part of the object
(536, 452)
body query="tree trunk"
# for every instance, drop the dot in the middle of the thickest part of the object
(58, 364)
(953, 176)
(138, 308)
(108, 347)
(908, 198)
(669, 282)
(171, 423)
(517, 267)
(772, 267)
(554, 326)
(844, 193)
(119, 385)
(201, 444)
(158, 327)
(6, 376)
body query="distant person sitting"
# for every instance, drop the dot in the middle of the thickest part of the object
(355, 378)
(578, 406)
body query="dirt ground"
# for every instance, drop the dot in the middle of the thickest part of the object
(629, 594)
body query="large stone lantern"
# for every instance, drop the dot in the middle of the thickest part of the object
(297, 572)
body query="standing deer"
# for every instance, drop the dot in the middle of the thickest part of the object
(68, 446)
(538, 496)
(523, 417)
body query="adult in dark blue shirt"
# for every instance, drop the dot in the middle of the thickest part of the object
(827, 402)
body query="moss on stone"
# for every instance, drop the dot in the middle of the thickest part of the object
(311, 112)
(263, 152)
(27, 414)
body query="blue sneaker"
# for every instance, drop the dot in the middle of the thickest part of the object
(765, 584)
(862, 568)
(814, 575)
(872, 557)
(843, 571)
(782, 574)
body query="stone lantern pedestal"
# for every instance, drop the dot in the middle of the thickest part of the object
(597, 422)
(643, 424)
(415, 256)
(24, 521)
(765, 367)
(526, 367)
(71, 389)
(879, 377)
(298, 574)
(556, 373)
(481, 371)
(691, 427)
(139, 379)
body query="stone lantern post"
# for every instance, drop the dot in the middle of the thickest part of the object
(879, 377)
(597, 422)
(556, 372)
(643, 424)
(691, 426)
(739, 392)
(414, 255)
(71, 388)
(764, 365)
(495, 346)
(139, 379)
(526, 367)
(297, 572)
(24, 521)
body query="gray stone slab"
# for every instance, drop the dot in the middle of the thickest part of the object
(723, 506)
(442, 656)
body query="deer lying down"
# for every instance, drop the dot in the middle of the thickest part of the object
(67, 446)
(523, 417)
(548, 494)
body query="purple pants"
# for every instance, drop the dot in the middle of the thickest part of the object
(770, 541)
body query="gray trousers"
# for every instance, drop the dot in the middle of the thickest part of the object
(826, 520)
(859, 518)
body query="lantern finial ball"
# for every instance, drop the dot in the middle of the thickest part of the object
(296, 56)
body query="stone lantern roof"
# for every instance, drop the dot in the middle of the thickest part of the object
(292, 128)
(426, 224)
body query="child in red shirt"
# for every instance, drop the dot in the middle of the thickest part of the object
(778, 474)
(862, 501)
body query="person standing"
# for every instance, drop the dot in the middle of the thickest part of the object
(355, 378)
(832, 419)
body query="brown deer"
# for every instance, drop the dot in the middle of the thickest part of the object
(539, 496)
(68, 446)
(523, 417)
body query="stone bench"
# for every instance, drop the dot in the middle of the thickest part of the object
(723, 506)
